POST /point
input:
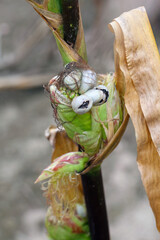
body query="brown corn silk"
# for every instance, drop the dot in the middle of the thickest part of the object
(62, 192)
(137, 64)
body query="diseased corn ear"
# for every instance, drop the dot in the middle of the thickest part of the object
(137, 64)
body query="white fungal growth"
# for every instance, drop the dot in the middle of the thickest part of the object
(58, 97)
(81, 80)
(88, 81)
(99, 95)
(94, 97)
(73, 80)
(82, 104)
(78, 81)
(81, 210)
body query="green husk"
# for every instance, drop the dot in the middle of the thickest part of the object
(75, 228)
(68, 163)
(64, 233)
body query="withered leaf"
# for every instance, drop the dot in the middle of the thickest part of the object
(137, 65)
(54, 19)
(60, 142)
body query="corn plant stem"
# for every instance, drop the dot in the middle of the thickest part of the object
(92, 181)
(95, 203)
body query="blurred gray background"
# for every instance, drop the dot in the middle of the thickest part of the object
(28, 58)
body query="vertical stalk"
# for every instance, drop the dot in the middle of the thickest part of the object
(92, 181)
(95, 203)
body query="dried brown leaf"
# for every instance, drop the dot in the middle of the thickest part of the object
(54, 19)
(137, 64)
(60, 142)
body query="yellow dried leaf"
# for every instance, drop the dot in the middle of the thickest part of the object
(54, 19)
(60, 142)
(63, 145)
(137, 64)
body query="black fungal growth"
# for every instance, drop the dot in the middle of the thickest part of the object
(70, 15)
(84, 105)
(105, 92)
